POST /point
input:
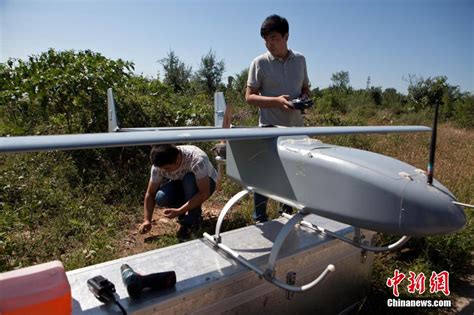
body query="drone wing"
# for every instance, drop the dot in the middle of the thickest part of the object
(179, 135)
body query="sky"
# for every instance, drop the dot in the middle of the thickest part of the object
(387, 40)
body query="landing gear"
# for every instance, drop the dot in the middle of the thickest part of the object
(269, 273)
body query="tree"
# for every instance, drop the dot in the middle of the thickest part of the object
(177, 74)
(464, 111)
(423, 93)
(376, 94)
(341, 80)
(210, 73)
(391, 97)
(240, 82)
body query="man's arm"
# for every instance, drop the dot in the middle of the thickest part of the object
(203, 185)
(227, 121)
(253, 98)
(305, 91)
(149, 206)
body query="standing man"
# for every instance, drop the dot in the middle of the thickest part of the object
(275, 78)
(182, 178)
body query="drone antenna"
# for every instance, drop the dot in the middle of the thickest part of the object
(433, 145)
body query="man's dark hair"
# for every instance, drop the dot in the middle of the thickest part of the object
(274, 23)
(163, 154)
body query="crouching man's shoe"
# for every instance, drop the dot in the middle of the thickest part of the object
(184, 233)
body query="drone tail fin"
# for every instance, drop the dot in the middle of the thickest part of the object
(111, 112)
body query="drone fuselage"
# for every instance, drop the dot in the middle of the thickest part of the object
(357, 187)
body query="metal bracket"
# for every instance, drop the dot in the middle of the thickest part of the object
(360, 244)
(359, 238)
(269, 273)
(357, 235)
(224, 211)
(363, 256)
(291, 280)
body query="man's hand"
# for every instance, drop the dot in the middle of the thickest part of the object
(145, 227)
(171, 213)
(283, 102)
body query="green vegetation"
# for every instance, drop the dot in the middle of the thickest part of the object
(77, 206)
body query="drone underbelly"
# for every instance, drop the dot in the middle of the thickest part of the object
(353, 186)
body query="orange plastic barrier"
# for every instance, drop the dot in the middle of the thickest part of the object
(41, 289)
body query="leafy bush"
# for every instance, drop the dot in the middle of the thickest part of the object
(58, 92)
(464, 111)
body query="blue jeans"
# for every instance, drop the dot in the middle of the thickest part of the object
(175, 193)
(260, 208)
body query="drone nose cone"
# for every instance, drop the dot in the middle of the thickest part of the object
(429, 210)
(458, 213)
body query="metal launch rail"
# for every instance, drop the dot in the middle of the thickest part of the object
(210, 282)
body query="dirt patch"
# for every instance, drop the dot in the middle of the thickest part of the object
(163, 231)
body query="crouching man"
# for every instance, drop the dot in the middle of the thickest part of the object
(182, 178)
